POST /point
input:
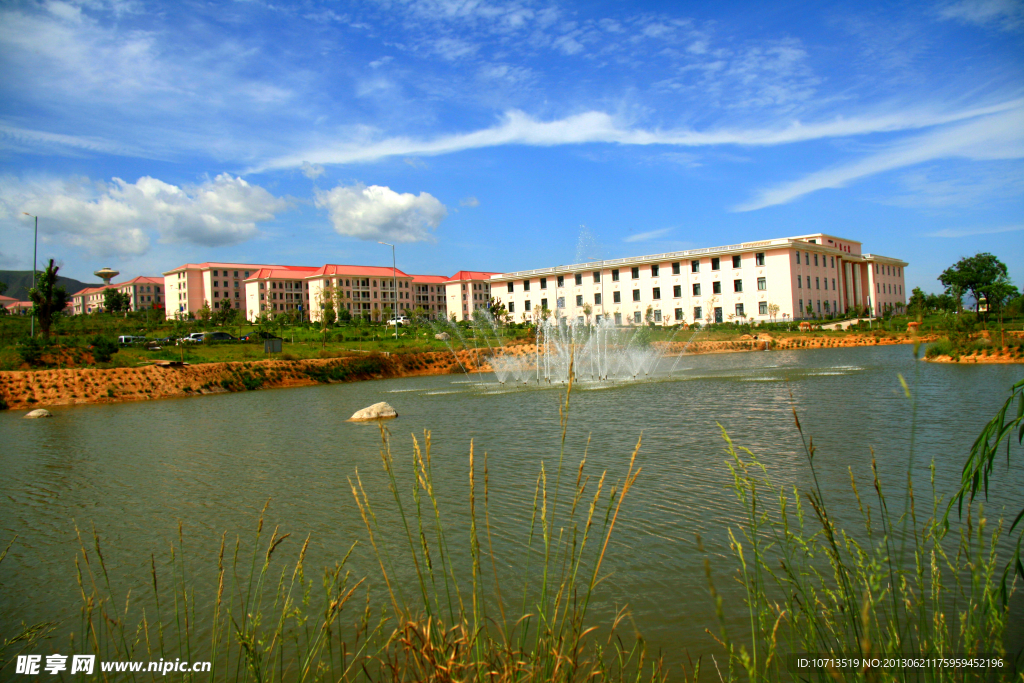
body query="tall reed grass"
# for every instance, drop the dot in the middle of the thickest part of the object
(902, 586)
(437, 608)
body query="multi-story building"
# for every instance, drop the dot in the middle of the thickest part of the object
(143, 292)
(190, 287)
(468, 291)
(809, 276)
(361, 290)
(428, 293)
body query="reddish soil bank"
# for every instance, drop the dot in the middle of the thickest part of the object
(29, 389)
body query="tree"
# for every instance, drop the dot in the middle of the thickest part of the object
(972, 274)
(918, 303)
(773, 310)
(204, 312)
(587, 310)
(497, 309)
(114, 301)
(47, 298)
(225, 313)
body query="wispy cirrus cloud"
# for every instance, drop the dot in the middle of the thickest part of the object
(970, 232)
(995, 136)
(519, 128)
(647, 236)
(1005, 14)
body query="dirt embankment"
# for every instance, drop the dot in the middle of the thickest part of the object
(28, 389)
(35, 388)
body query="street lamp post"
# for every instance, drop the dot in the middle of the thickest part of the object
(394, 286)
(35, 244)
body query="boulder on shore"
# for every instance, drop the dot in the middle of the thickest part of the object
(442, 336)
(39, 412)
(378, 411)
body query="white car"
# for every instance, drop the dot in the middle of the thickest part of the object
(400, 320)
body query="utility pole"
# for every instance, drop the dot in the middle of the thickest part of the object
(35, 244)
(394, 285)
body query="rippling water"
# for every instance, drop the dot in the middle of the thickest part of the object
(132, 471)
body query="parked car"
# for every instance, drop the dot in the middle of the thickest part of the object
(400, 320)
(129, 340)
(218, 337)
(256, 336)
(194, 338)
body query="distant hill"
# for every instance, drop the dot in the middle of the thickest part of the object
(19, 282)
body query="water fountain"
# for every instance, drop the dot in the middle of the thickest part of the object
(597, 352)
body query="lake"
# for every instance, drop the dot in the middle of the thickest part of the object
(132, 471)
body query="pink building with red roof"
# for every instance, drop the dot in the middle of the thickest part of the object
(143, 292)
(278, 289)
(468, 291)
(189, 287)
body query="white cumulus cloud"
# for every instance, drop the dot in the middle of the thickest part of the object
(121, 218)
(380, 213)
(312, 171)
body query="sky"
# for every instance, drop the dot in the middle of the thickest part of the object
(503, 136)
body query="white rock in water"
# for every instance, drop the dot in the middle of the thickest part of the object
(377, 411)
(40, 412)
(443, 336)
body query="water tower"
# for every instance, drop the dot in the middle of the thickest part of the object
(106, 274)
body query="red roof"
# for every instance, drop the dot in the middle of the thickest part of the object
(282, 272)
(211, 264)
(93, 290)
(472, 275)
(141, 280)
(372, 271)
(430, 279)
(6, 299)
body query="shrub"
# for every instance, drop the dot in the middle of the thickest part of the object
(30, 350)
(103, 348)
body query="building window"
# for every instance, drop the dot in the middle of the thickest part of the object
(615, 275)
(736, 262)
(739, 310)
(808, 282)
(579, 299)
(815, 259)
(511, 288)
(737, 285)
(716, 263)
(543, 283)
(655, 271)
(696, 289)
(636, 295)
(716, 287)
(695, 266)
(616, 297)
(833, 284)
(597, 299)
(677, 291)
(543, 303)
(636, 317)
(561, 281)
(527, 305)
(718, 314)
(526, 285)
(579, 278)
(657, 293)
(759, 258)
(762, 284)
(636, 272)
(675, 269)
(833, 260)
(679, 314)
(817, 283)
(618, 318)
(657, 316)
(798, 258)
(697, 313)
(762, 308)
(597, 276)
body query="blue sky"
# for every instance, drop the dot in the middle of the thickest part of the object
(506, 135)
